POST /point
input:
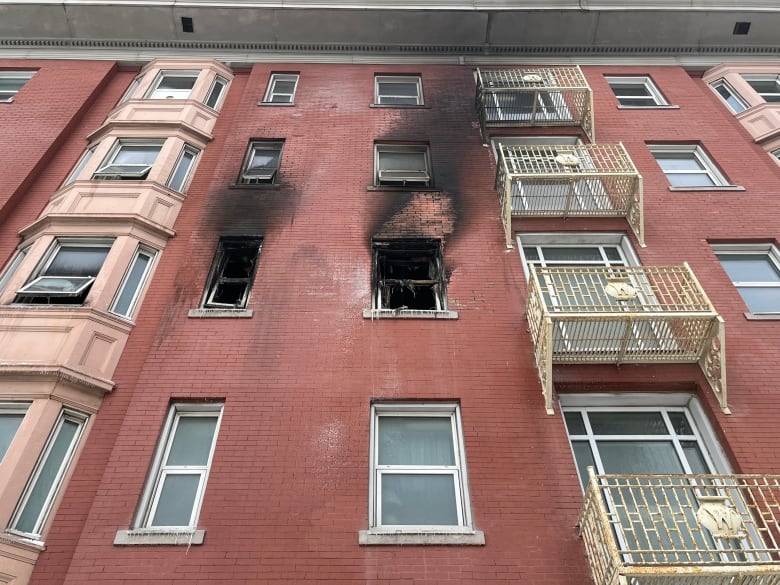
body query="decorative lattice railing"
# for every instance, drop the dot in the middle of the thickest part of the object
(682, 529)
(550, 96)
(623, 314)
(583, 180)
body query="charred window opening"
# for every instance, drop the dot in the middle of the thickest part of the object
(409, 274)
(232, 273)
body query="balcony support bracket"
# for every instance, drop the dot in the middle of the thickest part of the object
(713, 362)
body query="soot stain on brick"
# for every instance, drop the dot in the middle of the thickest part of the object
(250, 211)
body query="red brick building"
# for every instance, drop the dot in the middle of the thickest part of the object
(343, 317)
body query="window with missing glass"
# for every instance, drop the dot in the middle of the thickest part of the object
(409, 274)
(232, 273)
(66, 273)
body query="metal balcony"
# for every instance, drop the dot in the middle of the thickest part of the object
(584, 180)
(550, 96)
(623, 314)
(682, 529)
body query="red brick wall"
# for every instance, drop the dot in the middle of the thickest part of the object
(288, 488)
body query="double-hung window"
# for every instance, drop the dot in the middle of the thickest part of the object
(67, 272)
(175, 85)
(636, 92)
(731, 97)
(183, 167)
(11, 415)
(216, 93)
(177, 481)
(418, 471)
(11, 82)
(687, 166)
(129, 160)
(402, 165)
(766, 86)
(133, 282)
(262, 162)
(398, 90)
(281, 88)
(232, 273)
(36, 502)
(755, 271)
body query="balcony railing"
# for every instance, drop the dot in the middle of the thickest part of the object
(584, 180)
(623, 314)
(682, 529)
(551, 96)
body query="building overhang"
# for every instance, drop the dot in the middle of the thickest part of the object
(237, 31)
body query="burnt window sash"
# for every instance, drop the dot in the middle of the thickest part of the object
(408, 275)
(232, 273)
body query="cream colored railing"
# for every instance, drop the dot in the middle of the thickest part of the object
(550, 96)
(623, 314)
(584, 180)
(682, 529)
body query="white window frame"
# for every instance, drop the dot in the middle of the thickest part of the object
(67, 415)
(13, 266)
(271, 93)
(218, 87)
(184, 181)
(159, 471)
(144, 251)
(152, 93)
(722, 84)
(270, 174)
(48, 258)
(707, 167)
(80, 165)
(139, 174)
(457, 471)
(411, 180)
(763, 94)
(766, 251)
(13, 409)
(415, 79)
(7, 96)
(654, 97)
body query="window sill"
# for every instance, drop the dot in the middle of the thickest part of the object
(185, 537)
(276, 104)
(372, 538)
(653, 107)
(220, 313)
(24, 542)
(407, 314)
(401, 106)
(762, 316)
(407, 189)
(254, 186)
(709, 188)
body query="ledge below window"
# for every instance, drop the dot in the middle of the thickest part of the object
(405, 189)
(653, 107)
(762, 316)
(220, 313)
(271, 186)
(153, 537)
(402, 106)
(709, 188)
(369, 538)
(407, 314)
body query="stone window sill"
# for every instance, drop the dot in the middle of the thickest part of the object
(266, 186)
(371, 538)
(653, 107)
(153, 537)
(402, 106)
(407, 314)
(220, 313)
(277, 104)
(406, 189)
(762, 316)
(709, 188)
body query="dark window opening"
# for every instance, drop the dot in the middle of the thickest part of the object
(408, 274)
(232, 273)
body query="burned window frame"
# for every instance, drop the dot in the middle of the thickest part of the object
(382, 286)
(218, 264)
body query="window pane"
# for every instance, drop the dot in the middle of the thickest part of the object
(678, 161)
(130, 154)
(398, 89)
(176, 82)
(415, 441)
(630, 89)
(177, 499)
(761, 299)
(264, 159)
(419, 500)
(402, 161)
(216, 92)
(583, 457)
(584, 254)
(695, 458)
(284, 87)
(749, 268)
(690, 180)
(72, 260)
(574, 423)
(182, 170)
(639, 457)
(192, 443)
(9, 423)
(48, 477)
(680, 423)
(131, 284)
(627, 423)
